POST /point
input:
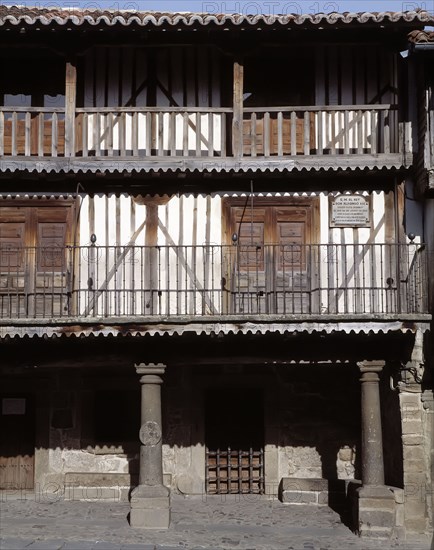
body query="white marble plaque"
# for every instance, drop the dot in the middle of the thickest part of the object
(350, 211)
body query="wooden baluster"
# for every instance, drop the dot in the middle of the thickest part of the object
(306, 126)
(54, 135)
(27, 124)
(266, 134)
(122, 132)
(223, 134)
(333, 133)
(185, 134)
(41, 127)
(210, 134)
(97, 134)
(135, 134)
(253, 134)
(280, 134)
(160, 134)
(346, 132)
(85, 136)
(198, 135)
(374, 121)
(320, 136)
(172, 134)
(293, 133)
(14, 134)
(359, 133)
(110, 137)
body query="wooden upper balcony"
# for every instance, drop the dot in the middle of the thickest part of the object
(127, 139)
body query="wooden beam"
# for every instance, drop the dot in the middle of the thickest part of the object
(70, 105)
(237, 121)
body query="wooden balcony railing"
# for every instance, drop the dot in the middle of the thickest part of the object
(190, 132)
(129, 281)
(32, 131)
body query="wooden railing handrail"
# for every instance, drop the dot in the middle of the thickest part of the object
(317, 108)
(35, 110)
(216, 110)
(180, 110)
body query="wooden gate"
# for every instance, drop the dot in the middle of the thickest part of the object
(234, 433)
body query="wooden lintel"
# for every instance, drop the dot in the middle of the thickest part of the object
(152, 200)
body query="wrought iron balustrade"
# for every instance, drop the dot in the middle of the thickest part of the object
(170, 281)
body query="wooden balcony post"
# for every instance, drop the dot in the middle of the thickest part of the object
(70, 104)
(151, 256)
(237, 121)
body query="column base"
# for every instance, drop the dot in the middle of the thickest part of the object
(150, 507)
(376, 513)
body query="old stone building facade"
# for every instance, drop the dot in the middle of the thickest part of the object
(216, 242)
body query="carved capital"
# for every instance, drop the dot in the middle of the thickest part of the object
(150, 368)
(427, 398)
(370, 371)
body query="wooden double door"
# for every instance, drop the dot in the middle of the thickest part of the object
(269, 263)
(33, 261)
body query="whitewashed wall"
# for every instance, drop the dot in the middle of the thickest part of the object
(182, 274)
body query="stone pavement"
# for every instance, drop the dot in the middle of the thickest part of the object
(238, 522)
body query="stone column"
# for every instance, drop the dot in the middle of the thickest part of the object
(376, 502)
(372, 437)
(150, 501)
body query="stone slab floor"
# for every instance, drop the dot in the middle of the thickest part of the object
(239, 522)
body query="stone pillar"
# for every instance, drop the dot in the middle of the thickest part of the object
(150, 501)
(372, 438)
(376, 502)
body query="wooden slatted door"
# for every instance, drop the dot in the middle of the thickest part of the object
(234, 433)
(34, 274)
(269, 266)
(17, 442)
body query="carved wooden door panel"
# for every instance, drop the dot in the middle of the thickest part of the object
(270, 271)
(34, 274)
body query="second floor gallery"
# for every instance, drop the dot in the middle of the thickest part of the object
(95, 91)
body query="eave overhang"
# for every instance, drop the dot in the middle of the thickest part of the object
(253, 324)
(23, 16)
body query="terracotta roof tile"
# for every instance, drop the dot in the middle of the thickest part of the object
(420, 37)
(22, 15)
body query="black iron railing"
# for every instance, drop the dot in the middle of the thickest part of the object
(129, 281)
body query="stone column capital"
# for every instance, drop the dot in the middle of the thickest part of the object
(150, 369)
(370, 366)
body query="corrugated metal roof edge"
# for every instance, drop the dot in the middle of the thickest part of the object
(247, 170)
(327, 325)
(23, 15)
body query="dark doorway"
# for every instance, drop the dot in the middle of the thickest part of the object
(17, 442)
(234, 437)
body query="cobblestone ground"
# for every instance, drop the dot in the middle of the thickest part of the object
(211, 523)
